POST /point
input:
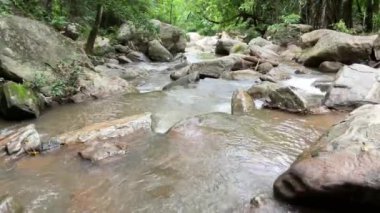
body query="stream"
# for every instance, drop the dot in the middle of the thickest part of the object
(217, 167)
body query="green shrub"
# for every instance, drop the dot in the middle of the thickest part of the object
(341, 27)
(291, 19)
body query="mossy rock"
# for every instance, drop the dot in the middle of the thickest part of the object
(240, 48)
(18, 102)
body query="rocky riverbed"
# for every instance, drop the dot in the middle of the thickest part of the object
(194, 131)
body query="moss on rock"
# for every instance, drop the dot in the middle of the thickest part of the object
(18, 102)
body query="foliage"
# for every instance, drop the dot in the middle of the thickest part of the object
(341, 27)
(291, 19)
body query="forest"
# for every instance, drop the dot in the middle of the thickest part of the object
(252, 17)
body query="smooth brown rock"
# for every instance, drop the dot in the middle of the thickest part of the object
(107, 130)
(330, 67)
(341, 168)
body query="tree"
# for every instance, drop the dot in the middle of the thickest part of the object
(94, 31)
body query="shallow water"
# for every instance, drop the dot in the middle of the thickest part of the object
(215, 166)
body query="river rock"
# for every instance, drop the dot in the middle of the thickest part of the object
(240, 48)
(291, 52)
(259, 41)
(264, 53)
(98, 151)
(214, 68)
(242, 75)
(9, 205)
(172, 37)
(124, 60)
(338, 46)
(287, 98)
(265, 67)
(330, 67)
(72, 31)
(224, 46)
(183, 81)
(20, 140)
(135, 56)
(287, 34)
(341, 168)
(241, 102)
(157, 52)
(376, 48)
(354, 86)
(108, 130)
(18, 102)
(33, 52)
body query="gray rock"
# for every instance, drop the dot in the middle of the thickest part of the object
(183, 81)
(337, 46)
(72, 31)
(265, 67)
(341, 168)
(20, 140)
(242, 75)
(172, 38)
(286, 98)
(330, 67)
(287, 34)
(157, 52)
(32, 50)
(261, 42)
(122, 49)
(99, 151)
(135, 56)
(241, 103)
(215, 67)
(264, 53)
(108, 130)
(17, 102)
(124, 60)
(354, 86)
(9, 205)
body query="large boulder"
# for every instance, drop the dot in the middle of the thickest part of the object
(172, 38)
(157, 52)
(18, 102)
(287, 98)
(341, 168)
(212, 68)
(336, 46)
(354, 86)
(35, 53)
(215, 67)
(284, 34)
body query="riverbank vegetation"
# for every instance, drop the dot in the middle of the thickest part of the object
(254, 17)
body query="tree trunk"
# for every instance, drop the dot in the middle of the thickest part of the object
(94, 31)
(49, 7)
(369, 16)
(347, 12)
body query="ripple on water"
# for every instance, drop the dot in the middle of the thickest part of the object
(213, 163)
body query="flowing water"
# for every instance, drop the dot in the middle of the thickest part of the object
(215, 166)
